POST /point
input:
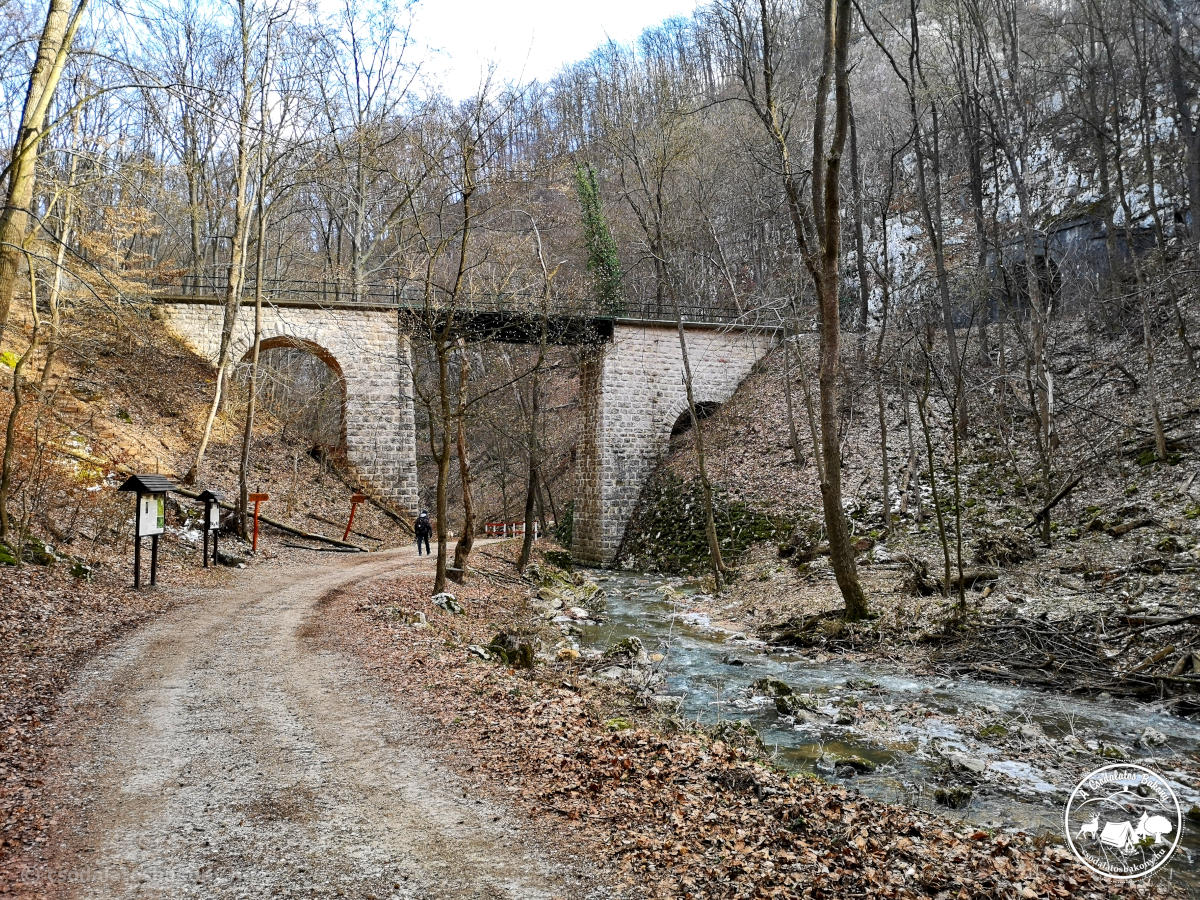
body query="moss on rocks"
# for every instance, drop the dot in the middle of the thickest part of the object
(667, 532)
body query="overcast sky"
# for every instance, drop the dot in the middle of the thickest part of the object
(527, 39)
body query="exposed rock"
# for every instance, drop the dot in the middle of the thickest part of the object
(512, 650)
(966, 763)
(771, 687)
(857, 763)
(1031, 732)
(792, 704)
(628, 651)
(955, 796)
(449, 603)
(1152, 737)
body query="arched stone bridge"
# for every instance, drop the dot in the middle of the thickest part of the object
(632, 385)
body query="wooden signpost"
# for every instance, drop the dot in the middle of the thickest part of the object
(354, 501)
(212, 522)
(256, 499)
(150, 519)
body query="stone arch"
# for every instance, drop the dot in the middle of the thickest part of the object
(365, 347)
(683, 422)
(318, 351)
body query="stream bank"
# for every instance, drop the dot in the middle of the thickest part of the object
(997, 756)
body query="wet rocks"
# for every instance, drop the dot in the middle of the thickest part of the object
(954, 796)
(857, 764)
(1152, 737)
(795, 704)
(1030, 732)
(566, 595)
(771, 687)
(966, 763)
(627, 651)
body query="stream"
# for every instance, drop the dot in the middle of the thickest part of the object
(1020, 751)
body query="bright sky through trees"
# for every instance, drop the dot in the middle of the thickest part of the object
(525, 39)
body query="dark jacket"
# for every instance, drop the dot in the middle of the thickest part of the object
(423, 527)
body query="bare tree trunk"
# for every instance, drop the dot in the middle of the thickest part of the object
(58, 33)
(462, 550)
(817, 229)
(252, 400)
(531, 476)
(14, 413)
(710, 524)
(793, 436)
(237, 253)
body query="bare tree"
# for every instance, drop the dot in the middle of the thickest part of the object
(817, 224)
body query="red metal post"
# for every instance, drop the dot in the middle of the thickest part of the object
(254, 543)
(350, 521)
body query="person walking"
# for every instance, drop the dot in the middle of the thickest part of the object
(423, 529)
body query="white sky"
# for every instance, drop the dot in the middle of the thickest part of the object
(526, 39)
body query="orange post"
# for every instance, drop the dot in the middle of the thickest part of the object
(354, 501)
(256, 499)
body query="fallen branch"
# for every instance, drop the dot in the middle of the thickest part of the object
(275, 523)
(1056, 499)
(1150, 660)
(1126, 527)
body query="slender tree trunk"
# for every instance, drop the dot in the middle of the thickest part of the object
(462, 550)
(710, 523)
(237, 253)
(14, 413)
(793, 436)
(443, 460)
(252, 399)
(58, 33)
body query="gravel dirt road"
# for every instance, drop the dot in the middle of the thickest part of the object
(218, 752)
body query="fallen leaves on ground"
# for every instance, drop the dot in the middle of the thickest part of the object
(682, 814)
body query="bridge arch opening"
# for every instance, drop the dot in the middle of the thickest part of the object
(302, 385)
(684, 422)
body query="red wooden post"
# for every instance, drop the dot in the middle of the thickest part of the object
(256, 499)
(354, 501)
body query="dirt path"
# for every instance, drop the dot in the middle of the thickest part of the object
(217, 753)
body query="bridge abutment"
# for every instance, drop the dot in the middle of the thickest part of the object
(633, 392)
(366, 348)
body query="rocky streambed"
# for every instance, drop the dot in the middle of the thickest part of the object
(994, 755)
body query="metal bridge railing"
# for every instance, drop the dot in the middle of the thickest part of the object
(410, 295)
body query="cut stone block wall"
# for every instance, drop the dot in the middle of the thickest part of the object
(633, 392)
(366, 347)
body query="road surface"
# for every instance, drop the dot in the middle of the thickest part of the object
(217, 752)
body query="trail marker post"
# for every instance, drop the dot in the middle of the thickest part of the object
(354, 501)
(212, 522)
(256, 499)
(150, 519)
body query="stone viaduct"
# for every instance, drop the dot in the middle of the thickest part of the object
(360, 343)
(632, 385)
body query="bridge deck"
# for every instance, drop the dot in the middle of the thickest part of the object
(510, 317)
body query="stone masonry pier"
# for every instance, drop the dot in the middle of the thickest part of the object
(364, 345)
(632, 395)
